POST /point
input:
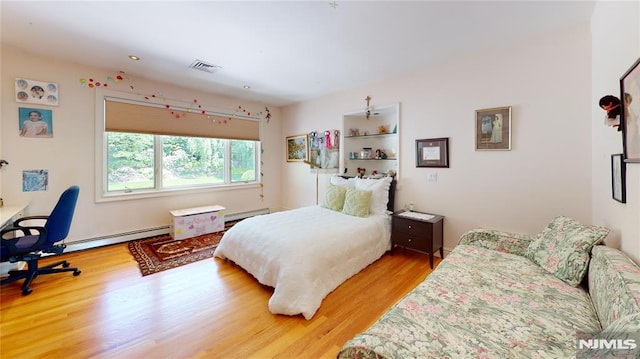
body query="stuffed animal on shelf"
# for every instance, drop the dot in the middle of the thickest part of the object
(611, 104)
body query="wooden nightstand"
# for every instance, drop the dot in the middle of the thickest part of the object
(420, 234)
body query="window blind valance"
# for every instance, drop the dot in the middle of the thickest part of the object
(129, 117)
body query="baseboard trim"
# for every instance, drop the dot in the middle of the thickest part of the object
(144, 233)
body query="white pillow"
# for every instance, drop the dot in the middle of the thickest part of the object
(380, 189)
(343, 182)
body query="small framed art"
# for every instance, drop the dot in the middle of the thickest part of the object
(432, 152)
(630, 118)
(493, 129)
(618, 175)
(35, 122)
(31, 91)
(297, 148)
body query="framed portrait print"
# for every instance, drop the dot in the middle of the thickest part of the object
(630, 117)
(493, 129)
(618, 174)
(39, 92)
(432, 152)
(35, 122)
(297, 148)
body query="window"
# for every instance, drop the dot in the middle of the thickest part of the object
(145, 150)
(185, 162)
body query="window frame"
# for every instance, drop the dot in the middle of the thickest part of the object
(101, 193)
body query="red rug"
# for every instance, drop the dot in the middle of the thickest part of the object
(156, 254)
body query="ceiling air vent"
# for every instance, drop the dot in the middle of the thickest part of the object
(203, 66)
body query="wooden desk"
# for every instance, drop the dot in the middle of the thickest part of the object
(8, 214)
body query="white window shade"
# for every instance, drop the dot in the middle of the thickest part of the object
(123, 116)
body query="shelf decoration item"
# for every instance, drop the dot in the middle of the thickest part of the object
(297, 149)
(618, 174)
(630, 119)
(493, 129)
(612, 106)
(432, 152)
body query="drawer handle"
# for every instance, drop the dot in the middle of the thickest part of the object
(409, 239)
(409, 226)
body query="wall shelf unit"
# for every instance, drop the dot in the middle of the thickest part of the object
(372, 143)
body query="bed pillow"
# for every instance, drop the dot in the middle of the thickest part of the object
(357, 202)
(334, 197)
(343, 182)
(563, 248)
(380, 189)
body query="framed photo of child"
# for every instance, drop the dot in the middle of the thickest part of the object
(35, 122)
(38, 92)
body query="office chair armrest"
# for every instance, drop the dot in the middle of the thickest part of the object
(10, 243)
(17, 222)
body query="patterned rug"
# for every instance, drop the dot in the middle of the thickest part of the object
(156, 254)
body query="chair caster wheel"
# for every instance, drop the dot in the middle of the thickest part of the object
(26, 291)
(76, 273)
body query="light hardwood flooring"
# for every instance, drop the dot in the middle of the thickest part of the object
(208, 309)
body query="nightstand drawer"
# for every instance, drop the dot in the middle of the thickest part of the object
(407, 240)
(409, 226)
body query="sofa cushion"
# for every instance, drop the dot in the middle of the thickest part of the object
(563, 247)
(481, 303)
(614, 285)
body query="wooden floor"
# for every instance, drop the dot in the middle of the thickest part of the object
(207, 309)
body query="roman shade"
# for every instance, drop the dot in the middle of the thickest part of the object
(125, 116)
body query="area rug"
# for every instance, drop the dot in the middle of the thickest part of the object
(159, 253)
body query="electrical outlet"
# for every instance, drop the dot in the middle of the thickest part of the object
(432, 177)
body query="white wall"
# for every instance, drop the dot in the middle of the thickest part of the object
(615, 29)
(69, 155)
(546, 79)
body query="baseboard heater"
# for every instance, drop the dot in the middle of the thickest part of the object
(144, 233)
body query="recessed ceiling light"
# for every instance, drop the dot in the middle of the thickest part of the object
(134, 57)
(246, 87)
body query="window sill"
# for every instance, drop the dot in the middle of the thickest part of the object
(144, 194)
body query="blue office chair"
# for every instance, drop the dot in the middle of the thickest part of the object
(27, 243)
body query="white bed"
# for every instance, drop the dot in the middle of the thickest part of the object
(305, 253)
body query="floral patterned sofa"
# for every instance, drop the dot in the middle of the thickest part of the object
(505, 295)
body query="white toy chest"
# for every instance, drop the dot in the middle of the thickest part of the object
(192, 222)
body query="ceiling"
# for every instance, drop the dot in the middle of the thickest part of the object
(286, 51)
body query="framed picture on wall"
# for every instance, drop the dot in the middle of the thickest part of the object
(630, 117)
(297, 148)
(40, 92)
(432, 152)
(618, 175)
(493, 129)
(35, 122)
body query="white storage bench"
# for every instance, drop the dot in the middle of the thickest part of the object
(192, 222)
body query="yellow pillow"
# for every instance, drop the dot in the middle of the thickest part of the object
(356, 202)
(334, 197)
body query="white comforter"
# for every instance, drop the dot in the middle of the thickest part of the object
(305, 253)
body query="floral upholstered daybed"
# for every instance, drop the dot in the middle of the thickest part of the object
(505, 295)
